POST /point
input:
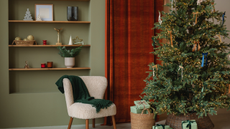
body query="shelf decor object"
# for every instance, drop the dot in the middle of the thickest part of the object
(26, 65)
(72, 13)
(44, 11)
(22, 42)
(69, 62)
(28, 16)
(49, 64)
(39, 18)
(77, 40)
(30, 37)
(43, 65)
(70, 40)
(44, 42)
(58, 39)
(69, 55)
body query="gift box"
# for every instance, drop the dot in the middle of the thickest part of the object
(160, 126)
(189, 124)
(141, 104)
(134, 109)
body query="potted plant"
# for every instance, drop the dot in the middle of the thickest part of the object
(69, 55)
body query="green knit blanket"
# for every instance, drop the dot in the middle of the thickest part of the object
(81, 94)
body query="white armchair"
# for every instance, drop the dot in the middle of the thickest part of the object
(96, 86)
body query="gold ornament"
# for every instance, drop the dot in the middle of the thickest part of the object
(17, 38)
(30, 37)
(170, 32)
(219, 36)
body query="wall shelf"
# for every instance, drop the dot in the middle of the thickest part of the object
(47, 45)
(22, 21)
(23, 80)
(45, 69)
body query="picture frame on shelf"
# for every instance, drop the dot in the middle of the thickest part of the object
(44, 12)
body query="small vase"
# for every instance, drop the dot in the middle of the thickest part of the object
(72, 13)
(69, 62)
(70, 40)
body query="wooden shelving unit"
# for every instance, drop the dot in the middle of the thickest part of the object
(47, 45)
(22, 21)
(23, 80)
(42, 69)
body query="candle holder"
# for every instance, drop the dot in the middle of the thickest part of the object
(49, 64)
(43, 65)
(44, 42)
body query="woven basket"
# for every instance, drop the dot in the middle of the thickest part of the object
(142, 121)
(21, 42)
(202, 123)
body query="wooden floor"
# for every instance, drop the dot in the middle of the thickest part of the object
(221, 121)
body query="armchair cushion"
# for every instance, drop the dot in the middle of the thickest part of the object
(86, 111)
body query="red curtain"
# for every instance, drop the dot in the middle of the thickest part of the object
(128, 45)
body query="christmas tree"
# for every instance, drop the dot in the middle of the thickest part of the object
(194, 74)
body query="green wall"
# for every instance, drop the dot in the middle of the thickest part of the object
(30, 99)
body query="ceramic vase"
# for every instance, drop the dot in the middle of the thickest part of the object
(69, 62)
(72, 13)
(70, 40)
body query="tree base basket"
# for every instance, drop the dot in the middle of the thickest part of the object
(202, 123)
(142, 121)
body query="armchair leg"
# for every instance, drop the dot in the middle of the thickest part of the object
(70, 122)
(87, 124)
(93, 123)
(114, 123)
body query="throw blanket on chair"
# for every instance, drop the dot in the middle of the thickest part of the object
(81, 94)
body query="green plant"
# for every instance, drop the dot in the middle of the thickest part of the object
(64, 52)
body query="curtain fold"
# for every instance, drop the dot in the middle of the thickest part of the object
(128, 45)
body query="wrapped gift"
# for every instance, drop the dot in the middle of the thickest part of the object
(160, 126)
(141, 104)
(189, 124)
(134, 109)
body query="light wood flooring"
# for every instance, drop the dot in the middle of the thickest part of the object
(221, 121)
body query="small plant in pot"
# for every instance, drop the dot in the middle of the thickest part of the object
(69, 55)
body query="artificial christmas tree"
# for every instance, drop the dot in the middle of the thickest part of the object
(193, 79)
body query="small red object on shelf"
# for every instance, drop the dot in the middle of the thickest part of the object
(43, 65)
(44, 42)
